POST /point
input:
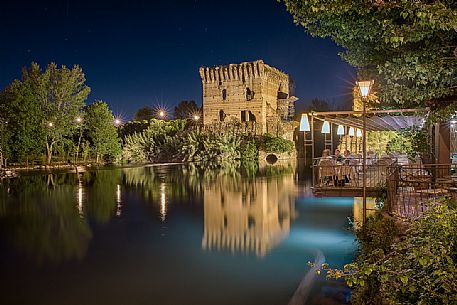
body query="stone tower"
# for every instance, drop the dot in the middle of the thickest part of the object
(254, 93)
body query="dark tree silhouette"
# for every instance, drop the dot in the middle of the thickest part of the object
(185, 110)
(144, 113)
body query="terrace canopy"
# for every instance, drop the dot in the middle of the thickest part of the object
(376, 120)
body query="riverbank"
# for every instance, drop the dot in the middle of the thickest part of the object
(405, 261)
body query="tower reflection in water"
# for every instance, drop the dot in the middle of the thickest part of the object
(248, 216)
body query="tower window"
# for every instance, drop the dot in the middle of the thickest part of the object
(249, 94)
(244, 116)
(224, 94)
(222, 115)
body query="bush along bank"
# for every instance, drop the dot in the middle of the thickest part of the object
(405, 261)
(178, 141)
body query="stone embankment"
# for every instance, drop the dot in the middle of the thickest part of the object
(7, 174)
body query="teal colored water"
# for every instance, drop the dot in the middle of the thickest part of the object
(171, 235)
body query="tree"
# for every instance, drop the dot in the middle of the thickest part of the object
(4, 138)
(186, 109)
(22, 130)
(101, 130)
(144, 113)
(317, 105)
(61, 93)
(406, 46)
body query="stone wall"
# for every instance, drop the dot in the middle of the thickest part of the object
(247, 92)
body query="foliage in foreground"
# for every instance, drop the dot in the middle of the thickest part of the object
(408, 47)
(418, 268)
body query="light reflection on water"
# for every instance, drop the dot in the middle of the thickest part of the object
(252, 228)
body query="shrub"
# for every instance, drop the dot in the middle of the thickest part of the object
(419, 268)
(277, 145)
(379, 232)
(249, 150)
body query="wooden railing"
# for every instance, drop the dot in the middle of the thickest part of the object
(411, 187)
(328, 173)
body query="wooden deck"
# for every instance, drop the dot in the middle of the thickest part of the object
(375, 178)
(410, 189)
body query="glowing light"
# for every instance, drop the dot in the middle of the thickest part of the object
(50, 124)
(326, 127)
(340, 130)
(118, 201)
(117, 121)
(351, 132)
(359, 133)
(80, 199)
(163, 202)
(79, 120)
(304, 123)
(365, 87)
(196, 117)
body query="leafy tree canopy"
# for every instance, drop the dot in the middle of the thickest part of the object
(102, 132)
(407, 46)
(61, 93)
(21, 122)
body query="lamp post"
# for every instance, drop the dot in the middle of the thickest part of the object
(364, 87)
(78, 122)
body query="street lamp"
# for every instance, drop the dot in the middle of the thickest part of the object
(50, 124)
(78, 122)
(162, 114)
(196, 117)
(364, 87)
(117, 122)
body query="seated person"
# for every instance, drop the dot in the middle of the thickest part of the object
(326, 167)
(338, 156)
(325, 156)
(348, 156)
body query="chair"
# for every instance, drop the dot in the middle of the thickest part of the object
(347, 171)
(326, 171)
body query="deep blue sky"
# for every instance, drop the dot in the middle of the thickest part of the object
(137, 53)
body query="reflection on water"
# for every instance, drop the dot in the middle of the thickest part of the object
(252, 227)
(240, 214)
(248, 215)
(358, 209)
(118, 200)
(37, 219)
(163, 201)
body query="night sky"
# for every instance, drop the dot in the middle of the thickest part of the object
(137, 53)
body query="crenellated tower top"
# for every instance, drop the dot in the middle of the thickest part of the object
(243, 71)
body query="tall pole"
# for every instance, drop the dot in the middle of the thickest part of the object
(364, 168)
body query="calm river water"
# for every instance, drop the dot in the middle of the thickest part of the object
(171, 235)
